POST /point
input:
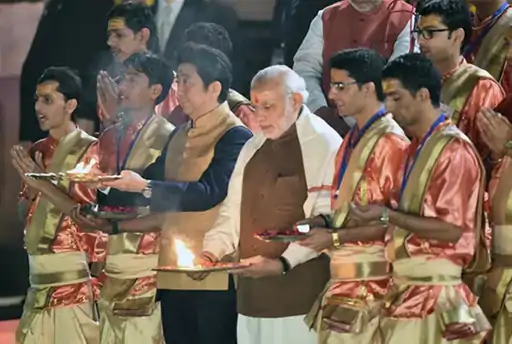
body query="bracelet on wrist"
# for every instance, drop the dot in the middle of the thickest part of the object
(384, 217)
(336, 239)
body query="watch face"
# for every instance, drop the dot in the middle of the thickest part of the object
(146, 193)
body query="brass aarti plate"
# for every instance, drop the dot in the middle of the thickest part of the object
(77, 178)
(113, 212)
(214, 268)
(287, 236)
(88, 178)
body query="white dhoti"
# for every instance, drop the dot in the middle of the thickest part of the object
(289, 330)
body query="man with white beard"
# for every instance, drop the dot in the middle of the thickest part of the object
(283, 175)
(381, 25)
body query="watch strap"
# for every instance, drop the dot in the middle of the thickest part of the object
(336, 239)
(286, 264)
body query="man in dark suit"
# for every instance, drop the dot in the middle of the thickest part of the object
(173, 17)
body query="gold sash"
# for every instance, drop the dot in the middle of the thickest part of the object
(414, 193)
(150, 143)
(356, 166)
(459, 86)
(146, 150)
(189, 154)
(492, 53)
(46, 220)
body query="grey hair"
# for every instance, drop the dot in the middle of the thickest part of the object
(293, 82)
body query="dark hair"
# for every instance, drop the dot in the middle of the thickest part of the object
(363, 65)
(211, 64)
(455, 14)
(137, 16)
(210, 34)
(155, 68)
(415, 72)
(70, 84)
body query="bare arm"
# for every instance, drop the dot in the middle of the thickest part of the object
(363, 233)
(426, 227)
(57, 197)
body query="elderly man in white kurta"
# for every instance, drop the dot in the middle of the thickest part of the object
(282, 176)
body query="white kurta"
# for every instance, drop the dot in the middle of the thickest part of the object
(319, 145)
(274, 331)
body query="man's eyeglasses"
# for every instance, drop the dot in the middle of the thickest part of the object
(340, 86)
(427, 33)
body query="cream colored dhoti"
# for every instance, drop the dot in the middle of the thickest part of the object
(361, 315)
(450, 307)
(128, 316)
(41, 324)
(288, 330)
(496, 300)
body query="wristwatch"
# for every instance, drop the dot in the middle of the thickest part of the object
(286, 264)
(384, 217)
(336, 239)
(147, 191)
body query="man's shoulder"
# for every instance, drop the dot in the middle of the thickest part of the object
(107, 132)
(334, 8)
(458, 144)
(321, 131)
(477, 72)
(40, 144)
(235, 135)
(399, 6)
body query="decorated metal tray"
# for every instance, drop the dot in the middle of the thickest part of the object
(90, 178)
(45, 176)
(213, 268)
(114, 212)
(281, 236)
(74, 177)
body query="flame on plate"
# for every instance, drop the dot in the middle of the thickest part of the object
(185, 256)
(82, 168)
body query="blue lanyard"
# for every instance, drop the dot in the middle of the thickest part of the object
(130, 147)
(470, 49)
(408, 169)
(351, 143)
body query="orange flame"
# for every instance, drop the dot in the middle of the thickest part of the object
(185, 255)
(82, 168)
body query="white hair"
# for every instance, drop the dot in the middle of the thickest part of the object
(292, 81)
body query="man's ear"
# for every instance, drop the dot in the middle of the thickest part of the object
(145, 34)
(156, 91)
(423, 95)
(71, 106)
(297, 100)
(215, 88)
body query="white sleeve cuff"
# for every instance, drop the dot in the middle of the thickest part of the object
(105, 190)
(297, 254)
